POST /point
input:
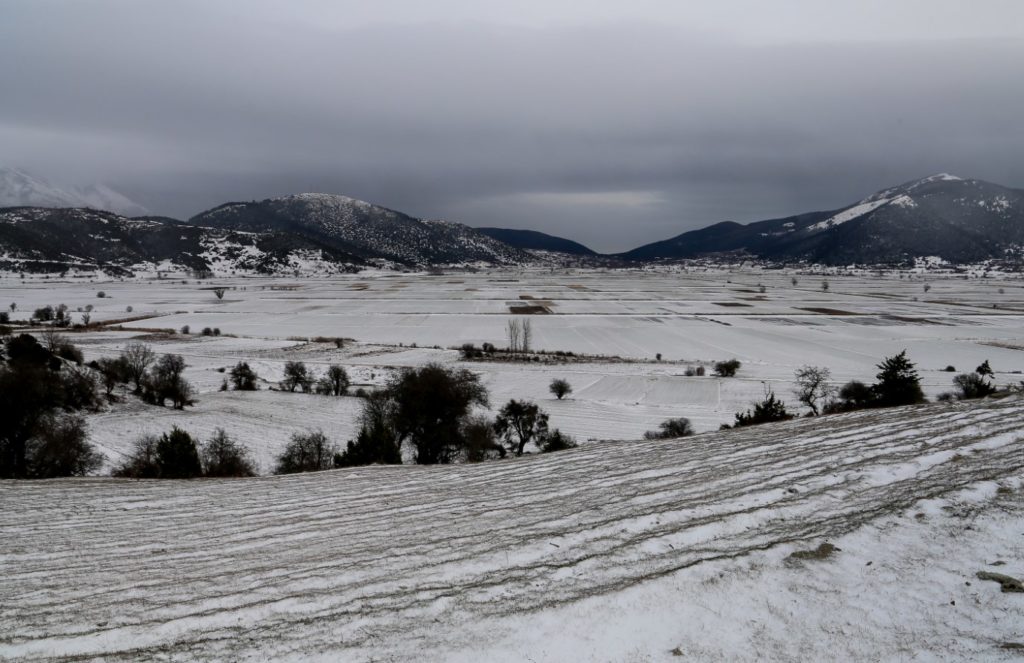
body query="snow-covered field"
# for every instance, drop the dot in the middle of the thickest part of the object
(690, 318)
(616, 551)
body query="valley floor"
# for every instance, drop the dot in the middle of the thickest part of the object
(624, 551)
(690, 318)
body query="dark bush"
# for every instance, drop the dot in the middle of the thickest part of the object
(61, 449)
(377, 441)
(337, 381)
(556, 440)
(727, 368)
(431, 404)
(178, 456)
(973, 385)
(766, 411)
(173, 455)
(38, 436)
(44, 314)
(224, 457)
(243, 377)
(297, 376)
(519, 423)
(898, 382)
(137, 359)
(671, 428)
(480, 439)
(165, 382)
(306, 452)
(560, 388)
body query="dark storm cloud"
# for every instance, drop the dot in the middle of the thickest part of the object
(614, 131)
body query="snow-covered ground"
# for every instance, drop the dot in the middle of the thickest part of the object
(616, 551)
(690, 318)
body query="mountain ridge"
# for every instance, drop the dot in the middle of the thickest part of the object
(958, 219)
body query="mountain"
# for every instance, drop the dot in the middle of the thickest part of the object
(959, 220)
(36, 239)
(20, 189)
(532, 240)
(360, 228)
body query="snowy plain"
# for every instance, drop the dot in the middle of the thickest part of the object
(690, 318)
(617, 551)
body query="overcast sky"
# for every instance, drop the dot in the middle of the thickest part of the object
(613, 123)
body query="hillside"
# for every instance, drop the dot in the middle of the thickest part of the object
(613, 551)
(363, 229)
(537, 241)
(959, 220)
(35, 239)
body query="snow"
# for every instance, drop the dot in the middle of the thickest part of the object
(849, 214)
(614, 551)
(629, 314)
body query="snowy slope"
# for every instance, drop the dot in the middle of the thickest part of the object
(37, 239)
(368, 230)
(958, 219)
(547, 558)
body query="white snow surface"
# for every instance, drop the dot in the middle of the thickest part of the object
(849, 214)
(622, 551)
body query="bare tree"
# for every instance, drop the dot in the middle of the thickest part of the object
(813, 386)
(138, 357)
(53, 339)
(515, 332)
(527, 335)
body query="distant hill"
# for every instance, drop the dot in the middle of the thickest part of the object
(20, 189)
(533, 240)
(36, 239)
(364, 229)
(959, 220)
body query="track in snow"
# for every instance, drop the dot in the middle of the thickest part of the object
(379, 560)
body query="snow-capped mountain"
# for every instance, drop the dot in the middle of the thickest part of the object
(47, 240)
(364, 229)
(21, 189)
(959, 220)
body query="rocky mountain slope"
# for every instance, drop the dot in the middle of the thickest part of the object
(20, 189)
(363, 229)
(35, 239)
(959, 220)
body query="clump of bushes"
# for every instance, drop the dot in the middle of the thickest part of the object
(671, 428)
(727, 368)
(41, 436)
(243, 378)
(765, 411)
(306, 452)
(176, 455)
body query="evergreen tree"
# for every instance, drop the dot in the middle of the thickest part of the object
(898, 382)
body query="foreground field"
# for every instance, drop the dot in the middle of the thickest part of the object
(614, 551)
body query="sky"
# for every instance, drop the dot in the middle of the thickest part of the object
(612, 123)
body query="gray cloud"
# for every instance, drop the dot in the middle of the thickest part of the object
(615, 128)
